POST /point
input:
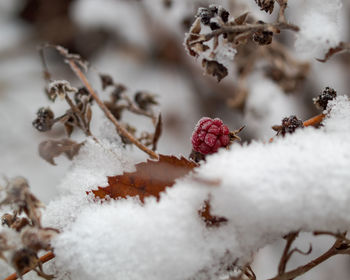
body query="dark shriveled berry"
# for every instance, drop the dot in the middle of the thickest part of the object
(224, 14)
(44, 120)
(263, 37)
(266, 5)
(322, 100)
(289, 125)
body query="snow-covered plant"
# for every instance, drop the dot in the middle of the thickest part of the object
(128, 210)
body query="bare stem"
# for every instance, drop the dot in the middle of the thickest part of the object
(243, 28)
(43, 259)
(314, 121)
(121, 130)
(336, 249)
(286, 256)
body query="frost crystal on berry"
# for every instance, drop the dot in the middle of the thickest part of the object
(210, 135)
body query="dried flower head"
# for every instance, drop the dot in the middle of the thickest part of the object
(266, 5)
(144, 100)
(289, 125)
(322, 100)
(59, 88)
(44, 120)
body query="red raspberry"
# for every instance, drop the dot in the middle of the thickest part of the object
(209, 135)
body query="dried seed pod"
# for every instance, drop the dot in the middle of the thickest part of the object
(289, 125)
(322, 100)
(82, 96)
(144, 100)
(224, 15)
(59, 88)
(106, 81)
(206, 14)
(44, 120)
(266, 5)
(262, 37)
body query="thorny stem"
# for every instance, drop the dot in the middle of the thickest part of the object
(43, 259)
(121, 130)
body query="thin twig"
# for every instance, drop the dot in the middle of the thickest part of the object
(121, 130)
(43, 259)
(243, 28)
(338, 248)
(285, 255)
(314, 121)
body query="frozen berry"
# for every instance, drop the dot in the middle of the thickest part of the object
(210, 135)
(321, 101)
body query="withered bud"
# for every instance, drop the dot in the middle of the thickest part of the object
(37, 239)
(106, 81)
(144, 100)
(116, 93)
(7, 219)
(206, 14)
(289, 125)
(19, 224)
(262, 37)
(59, 88)
(44, 120)
(322, 100)
(215, 69)
(224, 15)
(196, 156)
(82, 95)
(131, 130)
(24, 259)
(266, 5)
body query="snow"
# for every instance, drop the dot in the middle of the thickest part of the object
(267, 105)
(320, 27)
(264, 188)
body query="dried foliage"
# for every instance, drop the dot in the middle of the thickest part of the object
(29, 236)
(249, 41)
(150, 178)
(50, 149)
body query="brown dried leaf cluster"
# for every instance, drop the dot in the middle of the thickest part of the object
(29, 237)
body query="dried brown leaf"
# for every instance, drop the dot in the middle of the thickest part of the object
(150, 178)
(208, 218)
(50, 149)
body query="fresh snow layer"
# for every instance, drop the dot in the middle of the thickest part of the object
(299, 182)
